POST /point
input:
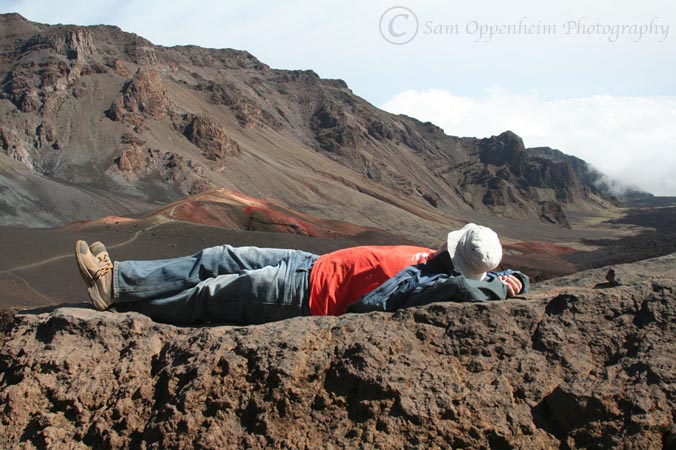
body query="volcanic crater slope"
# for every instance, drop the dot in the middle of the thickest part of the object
(96, 121)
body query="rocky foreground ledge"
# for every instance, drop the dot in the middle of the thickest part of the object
(572, 366)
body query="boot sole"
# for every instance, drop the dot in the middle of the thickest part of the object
(99, 303)
(86, 276)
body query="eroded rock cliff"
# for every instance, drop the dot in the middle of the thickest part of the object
(69, 95)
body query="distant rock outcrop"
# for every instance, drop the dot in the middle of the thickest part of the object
(12, 145)
(136, 162)
(210, 136)
(142, 97)
(572, 366)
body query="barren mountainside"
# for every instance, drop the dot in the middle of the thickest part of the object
(96, 121)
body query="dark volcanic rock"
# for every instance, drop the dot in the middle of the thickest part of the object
(211, 137)
(530, 171)
(569, 367)
(660, 240)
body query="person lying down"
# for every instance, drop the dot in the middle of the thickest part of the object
(251, 285)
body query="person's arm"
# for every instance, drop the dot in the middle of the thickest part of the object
(377, 300)
(412, 287)
(441, 262)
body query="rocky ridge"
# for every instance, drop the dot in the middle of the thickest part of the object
(71, 97)
(579, 363)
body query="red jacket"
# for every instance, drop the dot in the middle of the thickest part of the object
(342, 277)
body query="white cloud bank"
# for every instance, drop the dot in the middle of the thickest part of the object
(630, 139)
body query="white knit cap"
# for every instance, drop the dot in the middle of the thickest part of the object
(474, 250)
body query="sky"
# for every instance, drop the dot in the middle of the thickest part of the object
(593, 79)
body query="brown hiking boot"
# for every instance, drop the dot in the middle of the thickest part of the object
(100, 252)
(97, 271)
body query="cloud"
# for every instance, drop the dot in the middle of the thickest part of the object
(630, 139)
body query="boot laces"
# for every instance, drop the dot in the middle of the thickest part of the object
(105, 268)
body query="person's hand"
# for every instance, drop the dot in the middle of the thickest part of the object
(514, 285)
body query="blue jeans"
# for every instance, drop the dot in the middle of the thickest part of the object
(245, 285)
